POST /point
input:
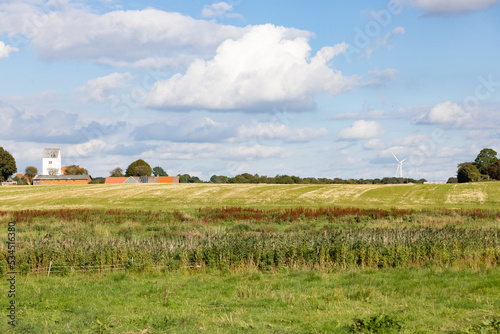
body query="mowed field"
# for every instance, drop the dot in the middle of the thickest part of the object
(192, 196)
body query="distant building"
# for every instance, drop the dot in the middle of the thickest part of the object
(142, 179)
(45, 180)
(51, 164)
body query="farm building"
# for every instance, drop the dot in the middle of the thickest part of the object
(142, 179)
(51, 164)
(41, 180)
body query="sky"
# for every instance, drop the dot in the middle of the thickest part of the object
(317, 89)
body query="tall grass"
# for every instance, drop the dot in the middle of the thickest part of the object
(330, 239)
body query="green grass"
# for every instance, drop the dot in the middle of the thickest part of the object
(420, 301)
(192, 196)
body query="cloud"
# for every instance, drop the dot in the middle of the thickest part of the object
(362, 130)
(187, 151)
(100, 89)
(278, 131)
(385, 42)
(269, 68)
(55, 126)
(449, 7)
(220, 9)
(201, 129)
(204, 129)
(135, 38)
(446, 113)
(5, 50)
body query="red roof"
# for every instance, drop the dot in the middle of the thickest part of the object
(115, 180)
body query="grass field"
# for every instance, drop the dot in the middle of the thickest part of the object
(191, 196)
(202, 258)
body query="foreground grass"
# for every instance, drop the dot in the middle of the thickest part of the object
(291, 301)
(191, 196)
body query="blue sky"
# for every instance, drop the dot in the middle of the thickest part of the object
(327, 89)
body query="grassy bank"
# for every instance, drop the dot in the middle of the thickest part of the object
(410, 301)
(192, 196)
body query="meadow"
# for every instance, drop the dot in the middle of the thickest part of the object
(254, 258)
(193, 196)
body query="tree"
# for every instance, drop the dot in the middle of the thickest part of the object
(139, 168)
(468, 172)
(7, 164)
(158, 171)
(75, 170)
(117, 172)
(494, 171)
(452, 180)
(485, 159)
(52, 171)
(31, 172)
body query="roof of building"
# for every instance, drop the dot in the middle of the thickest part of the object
(61, 177)
(51, 153)
(115, 179)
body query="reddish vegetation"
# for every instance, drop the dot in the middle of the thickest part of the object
(237, 213)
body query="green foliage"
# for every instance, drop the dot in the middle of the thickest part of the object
(158, 171)
(139, 168)
(75, 170)
(21, 180)
(485, 159)
(7, 164)
(117, 172)
(31, 172)
(468, 172)
(381, 323)
(219, 179)
(494, 171)
(452, 180)
(186, 178)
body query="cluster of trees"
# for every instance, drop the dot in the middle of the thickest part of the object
(486, 166)
(7, 165)
(286, 179)
(138, 168)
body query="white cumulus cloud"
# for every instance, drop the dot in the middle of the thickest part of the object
(101, 89)
(362, 130)
(450, 7)
(136, 38)
(220, 9)
(268, 68)
(279, 131)
(5, 50)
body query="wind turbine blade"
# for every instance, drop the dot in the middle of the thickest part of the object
(403, 160)
(395, 157)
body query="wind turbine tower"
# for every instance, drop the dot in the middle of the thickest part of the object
(399, 170)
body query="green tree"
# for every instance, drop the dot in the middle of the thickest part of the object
(75, 170)
(117, 172)
(158, 171)
(7, 164)
(485, 159)
(468, 172)
(219, 179)
(31, 172)
(144, 170)
(494, 171)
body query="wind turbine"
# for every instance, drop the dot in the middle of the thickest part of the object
(399, 170)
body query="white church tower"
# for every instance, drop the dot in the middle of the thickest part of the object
(51, 162)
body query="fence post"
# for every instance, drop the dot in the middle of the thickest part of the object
(50, 265)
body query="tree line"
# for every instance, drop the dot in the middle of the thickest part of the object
(485, 167)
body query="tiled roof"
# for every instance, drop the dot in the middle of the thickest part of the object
(61, 177)
(115, 180)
